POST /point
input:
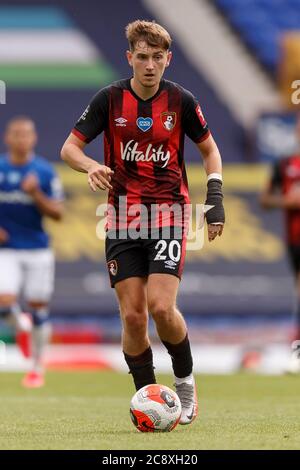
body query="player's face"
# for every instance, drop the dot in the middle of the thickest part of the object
(20, 137)
(148, 63)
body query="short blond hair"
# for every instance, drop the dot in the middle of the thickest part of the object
(150, 32)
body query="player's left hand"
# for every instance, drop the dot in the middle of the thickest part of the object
(30, 184)
(214, 230)
(215, 215)
(291, 200)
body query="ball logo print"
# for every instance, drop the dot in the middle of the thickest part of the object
(169, 399)
(155, 408)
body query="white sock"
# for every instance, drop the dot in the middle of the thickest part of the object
(189, 380)
(40, 339)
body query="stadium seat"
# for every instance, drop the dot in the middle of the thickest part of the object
(260, 24)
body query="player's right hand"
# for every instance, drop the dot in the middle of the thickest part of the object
(291, 200)
(99, 176)
(3, 236)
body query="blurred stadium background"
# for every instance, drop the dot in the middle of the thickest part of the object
(239, 57)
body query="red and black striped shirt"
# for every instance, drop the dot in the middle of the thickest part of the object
(285, 176)
(144, 142)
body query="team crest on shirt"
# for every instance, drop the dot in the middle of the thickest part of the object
(14, 177)
(168, 119)
(113, 267)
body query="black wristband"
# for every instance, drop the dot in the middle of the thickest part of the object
(214, 198)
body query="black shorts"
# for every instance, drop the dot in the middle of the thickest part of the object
(294, 255)
(143, 256)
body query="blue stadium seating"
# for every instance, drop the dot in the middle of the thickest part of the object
(261, 24)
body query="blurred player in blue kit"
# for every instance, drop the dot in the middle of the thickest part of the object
(29, 191)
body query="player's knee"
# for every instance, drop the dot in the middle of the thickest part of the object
(162, 312)
(40, 315)
(134, 319)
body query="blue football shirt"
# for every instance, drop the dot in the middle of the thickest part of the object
(19, 215)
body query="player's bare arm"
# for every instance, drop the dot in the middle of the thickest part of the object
(213, 166)
(272, 198)
(47, 206)
(99, 176)
(211, 156)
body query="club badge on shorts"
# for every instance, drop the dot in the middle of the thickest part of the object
(113, 267)
(168, 119)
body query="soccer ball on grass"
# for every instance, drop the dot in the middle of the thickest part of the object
(155, 408)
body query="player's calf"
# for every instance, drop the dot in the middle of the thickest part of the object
(13, 315)
(141, 368)
(41, 334)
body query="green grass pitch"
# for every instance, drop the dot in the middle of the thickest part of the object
(90, 410)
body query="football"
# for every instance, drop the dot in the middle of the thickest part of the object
(155, 408)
